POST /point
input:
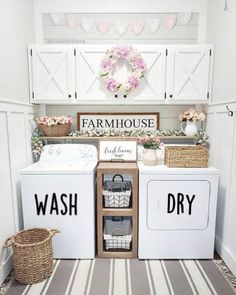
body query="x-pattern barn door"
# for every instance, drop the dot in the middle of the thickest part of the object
(90, 87)
(188, 73)
(52, 73)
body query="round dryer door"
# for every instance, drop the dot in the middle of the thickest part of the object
(178, 205)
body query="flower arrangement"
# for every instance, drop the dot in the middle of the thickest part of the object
(192, 115)
(36, 145)
(54, 126)
(109, 62)
(56, 120)
(150, 142)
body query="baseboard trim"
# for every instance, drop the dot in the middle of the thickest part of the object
(5, 269)
(226, 255)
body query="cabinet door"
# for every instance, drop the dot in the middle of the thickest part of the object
(91, 88)
(52, 73)
(188, 73)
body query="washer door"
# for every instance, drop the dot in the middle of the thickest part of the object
(178, 205)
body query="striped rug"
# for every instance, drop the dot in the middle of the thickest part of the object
(129, 277)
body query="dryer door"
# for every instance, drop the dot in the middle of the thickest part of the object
(178, 205)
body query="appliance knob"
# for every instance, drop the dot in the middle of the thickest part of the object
(58, 150)
(50, 151)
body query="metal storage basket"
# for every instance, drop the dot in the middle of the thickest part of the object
(117, 192)
(117, 233)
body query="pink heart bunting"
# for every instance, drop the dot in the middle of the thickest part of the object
(72, 22)
(103, 27)
(170, 22)
(137, 27)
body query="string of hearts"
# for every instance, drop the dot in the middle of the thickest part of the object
(121, 27)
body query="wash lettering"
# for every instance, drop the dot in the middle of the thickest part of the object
(180, 203)
(65, 204)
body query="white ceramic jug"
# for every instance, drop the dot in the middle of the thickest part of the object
(190, 128)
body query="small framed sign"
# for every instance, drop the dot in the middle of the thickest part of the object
(118, 150)
(124, 121)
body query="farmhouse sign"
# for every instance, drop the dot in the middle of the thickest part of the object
(124, 121)
(118, 150)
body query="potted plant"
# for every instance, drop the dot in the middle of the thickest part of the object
(54, 126)
(150, 145)
(189, 119)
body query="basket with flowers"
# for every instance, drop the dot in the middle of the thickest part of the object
(54, 126)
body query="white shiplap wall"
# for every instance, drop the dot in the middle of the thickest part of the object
(222, 131)
(15, 153)
(62, 33)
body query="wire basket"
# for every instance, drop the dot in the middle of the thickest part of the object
(117, 233)
(117, 192)
(55, 130)
(32, 254)
(186, 156)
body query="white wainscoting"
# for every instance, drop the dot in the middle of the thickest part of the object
(222, 131)
(15, 153)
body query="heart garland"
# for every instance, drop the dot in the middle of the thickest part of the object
(120, 27)
(86, 24)
(184, 18)
(170, 21)
(103, 27)
(72, 22)
(57, 18)
(153, 24)
(137, 27)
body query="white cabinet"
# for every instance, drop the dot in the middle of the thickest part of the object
(65, 74)
(189, 73)
(52, 73)
(91, 89)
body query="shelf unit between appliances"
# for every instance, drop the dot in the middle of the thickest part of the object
(116, 168)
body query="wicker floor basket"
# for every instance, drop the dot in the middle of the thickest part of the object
(55, 130)
(32, 254)
(186, 156)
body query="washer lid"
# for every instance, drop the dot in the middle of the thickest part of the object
(69, 167)
(162, 169)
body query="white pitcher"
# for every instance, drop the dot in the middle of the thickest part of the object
(190, 128)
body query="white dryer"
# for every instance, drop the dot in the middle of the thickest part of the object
(59, 192)
(177, 210)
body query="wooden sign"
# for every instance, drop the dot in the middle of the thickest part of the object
(118, 150)
(124, 121)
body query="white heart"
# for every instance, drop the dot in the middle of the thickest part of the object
(86, 24)
(184, 18)
(121, 27)
(72, 22)
(137, 27)
(170, 22)
(103, 27)
(153, 24)
(57, 18)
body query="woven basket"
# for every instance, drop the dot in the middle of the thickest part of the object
(32, 254)
(55, 130)
(186, 156)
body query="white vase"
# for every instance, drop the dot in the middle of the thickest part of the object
(149, 157)
(190, 128)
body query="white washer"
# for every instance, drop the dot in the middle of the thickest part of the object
(177, 210)
(59, 192)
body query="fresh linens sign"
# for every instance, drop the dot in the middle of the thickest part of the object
(118, 150)
(124, 121)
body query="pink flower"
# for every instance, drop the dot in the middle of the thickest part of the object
(138, 63)
(133, 82)
(122, 51)
(107, 64)
(111, 85)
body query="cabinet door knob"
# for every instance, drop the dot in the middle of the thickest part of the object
(69, 95)
(171, 95)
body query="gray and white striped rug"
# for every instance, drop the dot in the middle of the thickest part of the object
(129, 277)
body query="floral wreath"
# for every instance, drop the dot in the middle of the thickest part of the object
(108, 64)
